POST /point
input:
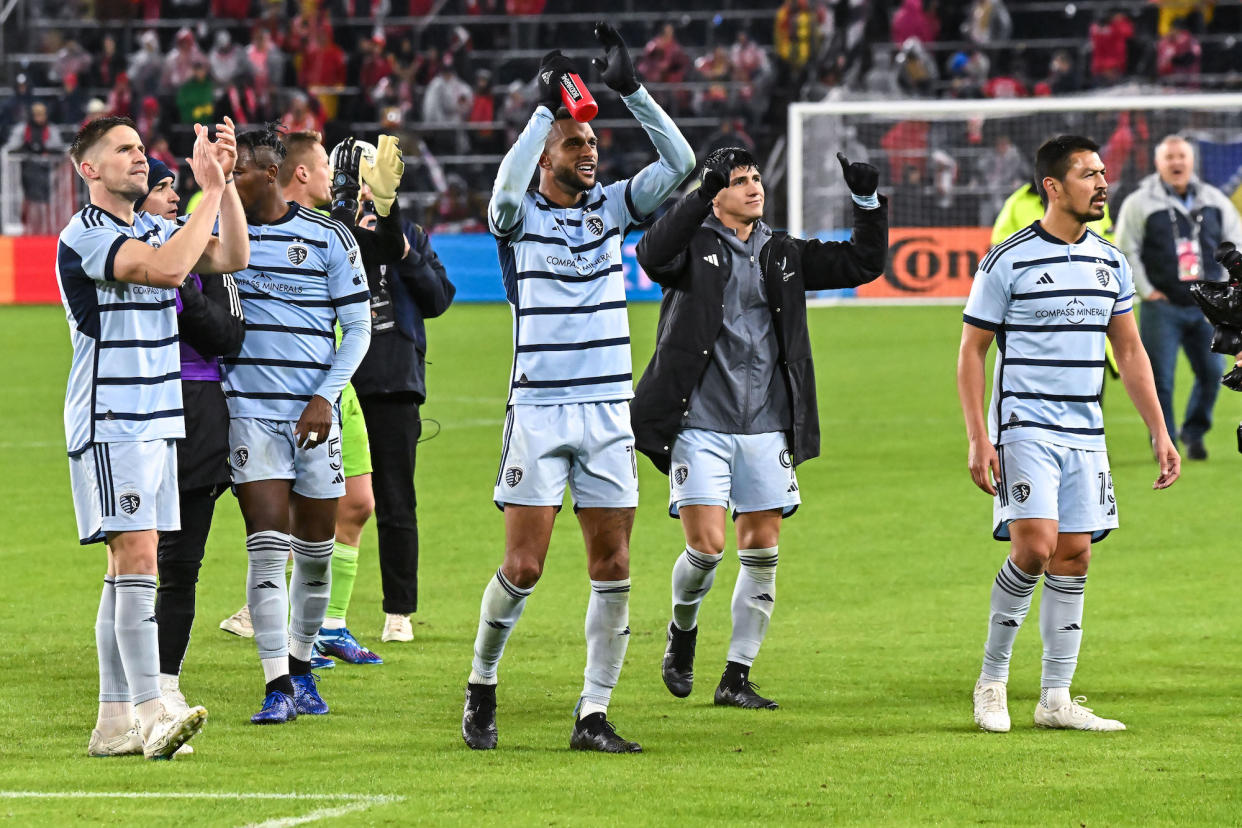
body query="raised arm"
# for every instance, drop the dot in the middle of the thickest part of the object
(657, 180)
(828, 265)
(229, 251)
(167, 266)
(504, 212)
(663, 249)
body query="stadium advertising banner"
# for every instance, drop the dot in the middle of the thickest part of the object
(929, 262)
(924, 263)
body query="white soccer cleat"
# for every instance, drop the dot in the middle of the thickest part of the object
(172, 730)
(397, 628)
(991, 706)
(174, 700)
(125, 743)
(1073, 716)
(239, 623)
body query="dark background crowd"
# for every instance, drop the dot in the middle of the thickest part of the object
(453, 78)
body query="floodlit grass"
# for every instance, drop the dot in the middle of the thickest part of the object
(873, 650)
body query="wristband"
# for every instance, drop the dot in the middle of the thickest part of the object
(228, 180)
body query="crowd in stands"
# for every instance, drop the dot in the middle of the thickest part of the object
(458, 92)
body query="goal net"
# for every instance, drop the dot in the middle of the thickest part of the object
(948, 167)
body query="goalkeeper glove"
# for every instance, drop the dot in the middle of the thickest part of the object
(384, 176)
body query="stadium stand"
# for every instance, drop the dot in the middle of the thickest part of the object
(452, 77)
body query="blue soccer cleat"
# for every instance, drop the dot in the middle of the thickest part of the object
(340, 643)
(278, 708)
(306, 697)
(319, 662)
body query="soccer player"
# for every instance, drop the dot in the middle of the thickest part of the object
(282, 388)
(727, 403)
(209, 324)
(1049, 295)
(568, 419)
(118, 271)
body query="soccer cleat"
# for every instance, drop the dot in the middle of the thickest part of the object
(478, 719)
(306, 697)
(1195, 450)
(596, 733)
(1073, 716)
(991, 706)
(239, 623)
(340, 643)
(125, 743)
(319, 662)
(278, 708)
(171, 730)
(397, 628)
(678, 667)
(740, 692)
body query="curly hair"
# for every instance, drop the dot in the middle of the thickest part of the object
(267, 137)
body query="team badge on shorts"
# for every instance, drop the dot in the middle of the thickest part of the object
(1020, 491)
(513, 476)
(129, 502)
(1102, 276)
(596, 225)
(240, 455)
(680, 474)
(297, 254)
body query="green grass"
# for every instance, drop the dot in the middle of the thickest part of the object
(873, 649)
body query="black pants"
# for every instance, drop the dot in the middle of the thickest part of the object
(393, 428)
(179, 557)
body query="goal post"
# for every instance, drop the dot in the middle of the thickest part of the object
(948, 166)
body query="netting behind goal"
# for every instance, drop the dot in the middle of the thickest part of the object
(949, 166)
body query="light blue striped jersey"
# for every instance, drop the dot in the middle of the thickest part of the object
(303, 269)
(563, 276)
(125, 379)
(1050, 304)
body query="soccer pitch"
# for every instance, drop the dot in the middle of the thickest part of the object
(874, 646)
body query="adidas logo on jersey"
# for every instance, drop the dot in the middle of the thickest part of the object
(712, 260)
(1046, 279)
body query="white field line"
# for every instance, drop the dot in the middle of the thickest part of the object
(356, 802)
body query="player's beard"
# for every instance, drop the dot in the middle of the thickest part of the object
(571, 179)
(1092, 214)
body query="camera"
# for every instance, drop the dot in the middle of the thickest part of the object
(1221, 303)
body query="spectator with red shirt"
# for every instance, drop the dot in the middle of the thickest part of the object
(109, 63)
(121, 97)
(323, 71)
(300, 117)
(912, 20)
(715, 69)
(1109, 44)
(180, 61)
(232, 9)
(266, 65)
(1179, 53)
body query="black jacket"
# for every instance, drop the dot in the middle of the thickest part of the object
(673, 253)
(417, 288)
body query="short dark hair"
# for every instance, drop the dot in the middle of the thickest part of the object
(741, 157)
(266, 137)
(297, 144)
(1052, 159)
(90, 134)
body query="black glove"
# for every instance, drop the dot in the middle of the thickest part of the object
(345, 180)
(554, 67)
(715, 175)
(862, 179)
(616, 67)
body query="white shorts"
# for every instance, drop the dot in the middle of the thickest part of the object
(267, 450)
(589, 446)
(1042, 480)
(744, 472)
(125, 487)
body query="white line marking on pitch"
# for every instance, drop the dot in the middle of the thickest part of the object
(357, 802)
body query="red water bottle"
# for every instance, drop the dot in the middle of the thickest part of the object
(577, 98)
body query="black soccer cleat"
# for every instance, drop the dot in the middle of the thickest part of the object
(478, 720)
(596, 733)
(736, 690)
(678, 666)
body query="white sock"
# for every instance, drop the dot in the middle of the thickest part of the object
(274, 668)
(310, 588)
(267, 593)
(1010, 601)
(147, 713)
(499, 612)
(1054, 697)
(607, 637)
(1060, 627)
(330, 623)
(114, 701)
(693, 575)
(137, 636)
(754, 596)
